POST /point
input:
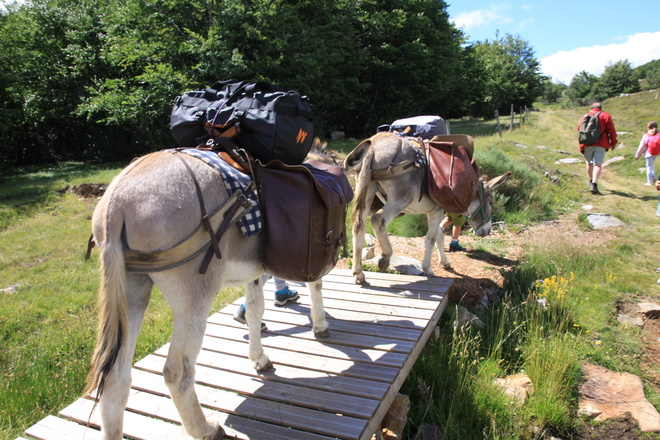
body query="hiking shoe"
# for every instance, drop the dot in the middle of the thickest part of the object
(239, 316)
(648, 184)
(594, 188)
(284, 296)
(455, 247)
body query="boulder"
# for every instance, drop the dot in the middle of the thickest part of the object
(607, 395)
(518, 387)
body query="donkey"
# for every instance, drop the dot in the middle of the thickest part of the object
(403, 191)
(149, 209)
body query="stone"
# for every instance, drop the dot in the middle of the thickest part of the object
(629, 321)
(569, 160)
(429, 432)
(336, 135)
(650, 310)
(603, 221)
(463, 319)
(613, 160)
(518, 386)
(607, 395)
(588, 207)
(395, 419)
(368, 253)
(403, 265)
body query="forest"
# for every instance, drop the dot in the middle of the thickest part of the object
(94, 80)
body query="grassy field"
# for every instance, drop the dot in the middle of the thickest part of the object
(47, 289)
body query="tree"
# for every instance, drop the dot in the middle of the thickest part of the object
(512, 74)
(618, 78)
(551, 92)
(580, 90)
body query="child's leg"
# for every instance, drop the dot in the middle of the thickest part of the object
(650, 170)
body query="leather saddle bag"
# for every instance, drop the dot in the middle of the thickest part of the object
(453, 175)
(304, 208)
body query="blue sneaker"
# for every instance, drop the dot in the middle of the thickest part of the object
(284, 296)
(239, 316)
(455, 247)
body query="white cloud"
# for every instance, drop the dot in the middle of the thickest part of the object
(638, 49)
(482, 17)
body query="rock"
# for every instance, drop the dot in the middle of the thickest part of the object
(588, 207)
(650, 310)
(603, 221)
(395, 419)
(369, 240)
(612, 160)
(463, 319)
(336, 135)
(606, 395)
(563, 152)
(629, 321)
(403, 265)
(518, 386)
(429, 432)
(570, 160)
(368, 253)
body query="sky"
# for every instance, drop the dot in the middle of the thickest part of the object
(567, 37)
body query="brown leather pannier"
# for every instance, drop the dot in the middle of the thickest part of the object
(453, 175)
(304, 208)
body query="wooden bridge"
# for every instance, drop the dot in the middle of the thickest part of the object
(336, 388)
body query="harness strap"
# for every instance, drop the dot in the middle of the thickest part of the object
(241, 201)
(205, 218)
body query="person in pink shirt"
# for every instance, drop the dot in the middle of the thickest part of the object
(649, 147)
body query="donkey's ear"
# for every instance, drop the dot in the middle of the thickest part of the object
(354, 158)
(497, 181)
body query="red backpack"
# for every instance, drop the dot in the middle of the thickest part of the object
(653, 144)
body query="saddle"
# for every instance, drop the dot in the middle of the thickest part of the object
(453, 175)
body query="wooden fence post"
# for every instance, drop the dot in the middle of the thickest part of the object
(499, 127)
(513, 114)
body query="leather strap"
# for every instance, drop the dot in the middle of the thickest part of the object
(205, 218)
(241, 201)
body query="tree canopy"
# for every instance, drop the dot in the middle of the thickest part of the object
(95, 79)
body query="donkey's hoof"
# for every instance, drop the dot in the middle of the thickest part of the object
(325, 334)
(263, 365)
(219, 434)
(383, 264)
(359, 279)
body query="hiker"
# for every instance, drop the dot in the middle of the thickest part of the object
(458, 221)
(283, 295)
(649, 146)
(594, 152)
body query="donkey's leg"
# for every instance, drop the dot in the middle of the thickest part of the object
(320, 324)
(190, 299)
(359, 227)
(118, 383)
(254, 311)
(434, 238)
(380, 221)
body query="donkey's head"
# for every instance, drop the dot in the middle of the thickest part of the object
(480, 211)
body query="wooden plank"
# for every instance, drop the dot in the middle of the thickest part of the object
(285, 357)
(141, 427)
(268, 411)
(376, 329)
(54, 428)
(221, 321)
(319, 380)
(281, 392)
(358, 353)
(384, 404)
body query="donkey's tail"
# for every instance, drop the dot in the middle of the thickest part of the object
(112, 309)
(362, 182)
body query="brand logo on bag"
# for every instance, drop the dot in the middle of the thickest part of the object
(302, 135)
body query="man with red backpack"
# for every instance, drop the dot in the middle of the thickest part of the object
(649, 146)
(597, 135)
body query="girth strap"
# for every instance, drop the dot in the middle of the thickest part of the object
(202, 207)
